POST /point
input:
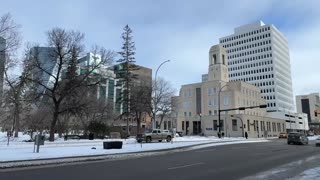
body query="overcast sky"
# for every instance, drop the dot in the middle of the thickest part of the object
(179, 30)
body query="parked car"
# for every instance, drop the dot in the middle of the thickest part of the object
(154, 135)
(73, 136)
(283, 135)
(297, 138)
(310, 133)
(318, 141)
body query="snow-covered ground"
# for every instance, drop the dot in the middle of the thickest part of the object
(313, 137)
(313, 173)
(19, 150)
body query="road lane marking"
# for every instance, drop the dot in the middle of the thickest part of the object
(239, 147)
(184, 166)
(207, 150)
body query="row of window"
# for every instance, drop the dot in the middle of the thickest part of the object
(249, 92)
(271, 104)
(252, 52)
(253, 58)
(269, 97)
(213, 102)
(248, 40)
(267, 90)
(185, 114)
(240, 61)
(257, 64)
(249, 46)
(245, 34)
(275, 126)
(258, 84)
(212, 91)
(254, 71)
(187, 93)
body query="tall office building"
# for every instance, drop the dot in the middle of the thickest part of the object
(258, 54)
(48, 60)
(2, 64)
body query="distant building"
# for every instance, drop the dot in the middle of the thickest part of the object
(143, 76)
(309, 104)
(48, 61)
(2, 64)
(258, 53)
(197, 104)
(106, 89)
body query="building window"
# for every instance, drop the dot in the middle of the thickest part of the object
(189, 113)
(234, 125)
(215, 125)
(214, 57)
(210, 91)
(190, 93)
(185, 114)
(210, 112)
(223, 60)
(209, 102)
(182, 125)
(215, 112)
(226, 100)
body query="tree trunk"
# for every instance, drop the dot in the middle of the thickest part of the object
(17, 121)
(138, 115)
(53, 125)
(128, 131)
(161, 119)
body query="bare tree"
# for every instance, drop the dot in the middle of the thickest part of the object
(98, 110)
(37, 119)
(58, 91)
(10, 40)
(164, 93)
(140, 102)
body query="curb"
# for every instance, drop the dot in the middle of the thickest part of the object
(76, 159)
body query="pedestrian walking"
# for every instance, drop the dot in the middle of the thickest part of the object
(246, 135)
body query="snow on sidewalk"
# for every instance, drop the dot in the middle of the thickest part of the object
(18, 150)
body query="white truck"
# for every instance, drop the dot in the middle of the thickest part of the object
(154, 135)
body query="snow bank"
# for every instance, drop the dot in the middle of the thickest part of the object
(313, 137)
(310, 174)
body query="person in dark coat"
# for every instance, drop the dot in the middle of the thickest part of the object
(246, 135)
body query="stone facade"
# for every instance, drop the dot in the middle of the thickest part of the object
(197, 106)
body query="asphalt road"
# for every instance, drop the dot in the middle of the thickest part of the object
(219, 162)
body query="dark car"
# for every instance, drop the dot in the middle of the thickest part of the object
(297, 138)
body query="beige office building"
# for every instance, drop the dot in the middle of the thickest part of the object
(197, 104)
(309, 104)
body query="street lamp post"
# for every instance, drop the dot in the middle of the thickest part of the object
(155, 94)
(219, 112)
